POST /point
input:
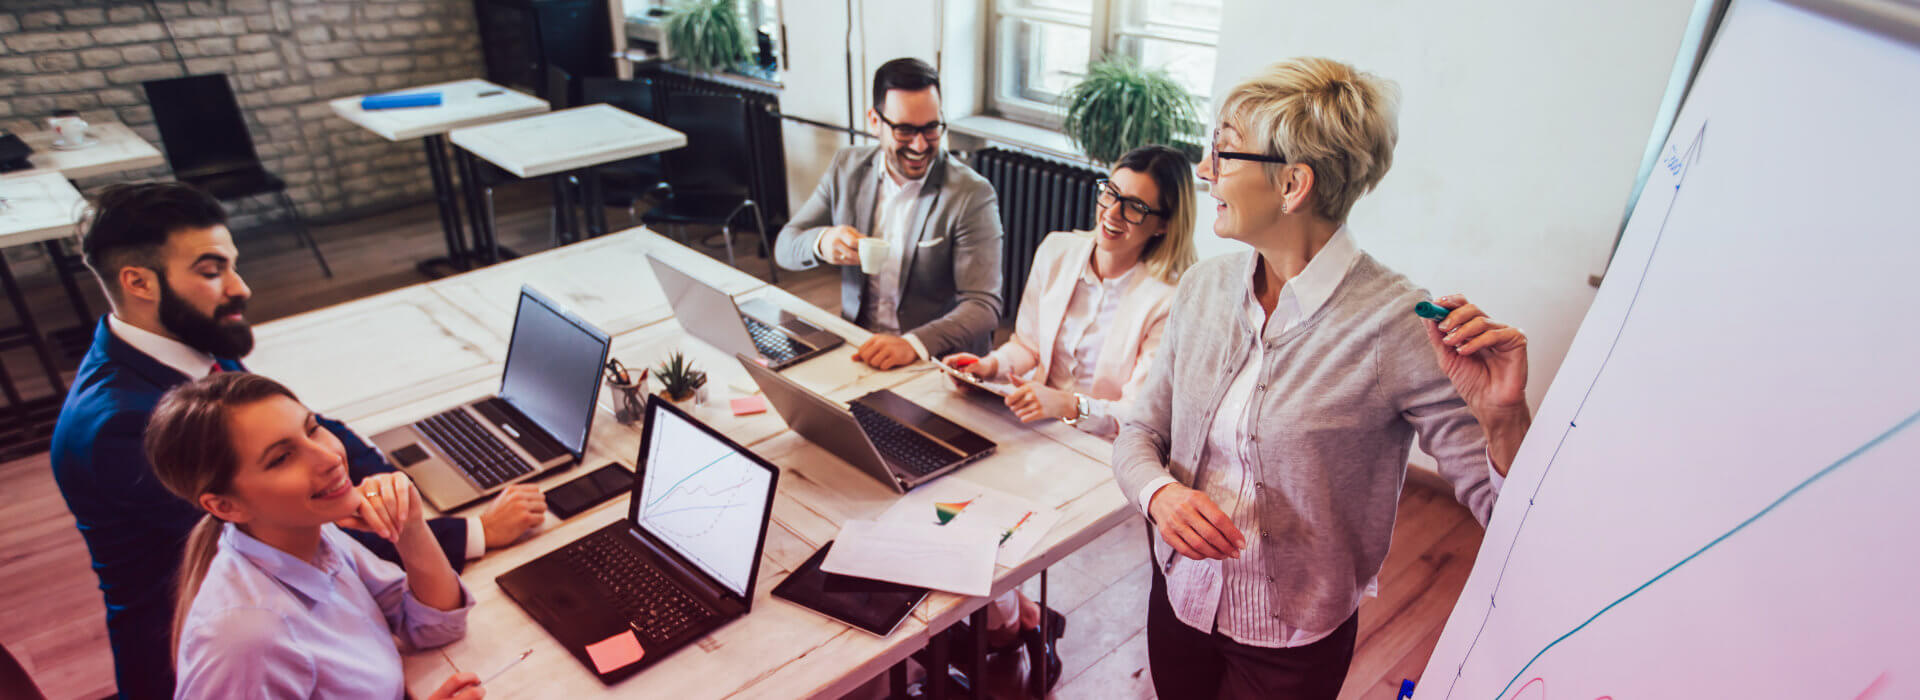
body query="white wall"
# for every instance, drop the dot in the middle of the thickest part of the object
(944, 33)
(1522, 124)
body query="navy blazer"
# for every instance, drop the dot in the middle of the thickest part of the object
(135, 529)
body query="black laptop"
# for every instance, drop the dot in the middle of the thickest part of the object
(896, 441)
(679, 566)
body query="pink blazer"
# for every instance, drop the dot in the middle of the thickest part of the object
(1126, 354)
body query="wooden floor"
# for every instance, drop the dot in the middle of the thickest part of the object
(54, 622)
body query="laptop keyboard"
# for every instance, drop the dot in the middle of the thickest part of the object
(772, 343)
(918, 453)
(475, 451)
(657, 607)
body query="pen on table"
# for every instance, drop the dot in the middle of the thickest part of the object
(503, 669)
(489, 93)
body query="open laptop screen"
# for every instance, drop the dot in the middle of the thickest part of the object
(553, 369)
(704, 497)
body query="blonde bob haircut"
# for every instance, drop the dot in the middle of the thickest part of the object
(1324, 114)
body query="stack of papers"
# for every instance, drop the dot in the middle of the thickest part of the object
(946, 535)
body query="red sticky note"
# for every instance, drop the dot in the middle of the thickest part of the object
(615, 652)
(749, 405)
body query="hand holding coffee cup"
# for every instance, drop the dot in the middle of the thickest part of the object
(840, 245)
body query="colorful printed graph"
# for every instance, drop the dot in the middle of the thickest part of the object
(1004, 536)
(946, 512)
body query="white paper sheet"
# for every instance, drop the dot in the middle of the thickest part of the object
(954, 559)
(1020, 522)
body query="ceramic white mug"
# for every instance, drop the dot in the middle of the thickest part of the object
(873, 254)
(71, 131)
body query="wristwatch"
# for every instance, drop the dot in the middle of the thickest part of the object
(1082, 406)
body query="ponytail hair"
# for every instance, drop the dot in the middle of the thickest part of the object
(190, 446)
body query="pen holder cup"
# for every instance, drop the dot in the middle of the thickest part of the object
(629, 402)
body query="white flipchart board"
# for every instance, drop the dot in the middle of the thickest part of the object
(1718, 495)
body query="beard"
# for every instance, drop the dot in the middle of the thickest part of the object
(208, 334)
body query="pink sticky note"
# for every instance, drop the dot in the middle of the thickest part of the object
(615, 652)
(749, 405)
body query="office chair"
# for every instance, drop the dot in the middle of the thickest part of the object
(208, 146)
(711, 179)
(626, 182)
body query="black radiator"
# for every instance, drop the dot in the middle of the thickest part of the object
(1037, 196)
(763, 111)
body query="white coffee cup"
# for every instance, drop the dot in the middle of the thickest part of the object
(873, 254)
(71, 131)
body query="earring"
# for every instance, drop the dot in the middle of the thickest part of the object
(1284, 209)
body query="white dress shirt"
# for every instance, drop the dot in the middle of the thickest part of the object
(187, 360)
(1083, 332)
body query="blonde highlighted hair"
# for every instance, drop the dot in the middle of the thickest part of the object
(1338, 121)
(190, 445)
(1167, 256)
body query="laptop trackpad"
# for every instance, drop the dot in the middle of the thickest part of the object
(410, 455)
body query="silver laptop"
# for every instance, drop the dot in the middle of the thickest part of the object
(759, 329)
(888, 437)
(537, 423)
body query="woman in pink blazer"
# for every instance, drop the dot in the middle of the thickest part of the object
(1089, 323)
(1096, 302)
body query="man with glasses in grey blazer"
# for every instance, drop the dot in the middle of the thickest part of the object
(916, 233)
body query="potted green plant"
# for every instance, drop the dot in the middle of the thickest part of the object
(1122, 105)
(679, 381)
(707, 35)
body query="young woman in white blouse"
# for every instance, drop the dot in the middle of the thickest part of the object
(1089, 323)
(274, 601)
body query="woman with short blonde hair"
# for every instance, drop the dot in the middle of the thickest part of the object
(1268, 445)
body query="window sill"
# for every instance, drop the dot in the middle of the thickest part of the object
(990, 130)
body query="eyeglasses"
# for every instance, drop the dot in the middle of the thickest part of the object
(906, 132)
(1132, 210)
(1216, 154)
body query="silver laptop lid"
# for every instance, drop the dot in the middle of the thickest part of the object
(706, 312)
(823, 421)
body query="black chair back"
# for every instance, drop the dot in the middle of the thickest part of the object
(560, 89)
(636, 96)
(200, 125)
(719, 152)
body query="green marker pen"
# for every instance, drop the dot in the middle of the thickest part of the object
(1430, 310)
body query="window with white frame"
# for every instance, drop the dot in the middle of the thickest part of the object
(1042, 47)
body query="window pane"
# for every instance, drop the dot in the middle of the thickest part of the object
(1045, 59)
(1161, 15)
(1191, 66)
(1084, 7)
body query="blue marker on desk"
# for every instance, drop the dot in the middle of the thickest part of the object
(418, 99)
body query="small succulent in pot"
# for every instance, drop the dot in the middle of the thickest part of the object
(678, 379)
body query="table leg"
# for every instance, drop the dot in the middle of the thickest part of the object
(446, 194)
(937, 675)
(32, 418)
(1046, 634)
(596, 204)
(31, 329)
(896, 678)
(977, 672)
(484, 250)
(70, 342)
(563, 209)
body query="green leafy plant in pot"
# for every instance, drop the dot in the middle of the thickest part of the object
(678, 379)
(1122, 105)
(707, 35)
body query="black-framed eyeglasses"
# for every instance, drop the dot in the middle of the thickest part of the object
(906, 132)
(1132, 209)
(1216, 154)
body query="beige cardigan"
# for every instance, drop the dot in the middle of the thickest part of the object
(1127, 352)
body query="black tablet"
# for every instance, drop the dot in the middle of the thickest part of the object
(874, 606)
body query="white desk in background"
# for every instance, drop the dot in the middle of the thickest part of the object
(115, 148)
(462, 103)
(412, 352)
(40, 207)
(565, 142)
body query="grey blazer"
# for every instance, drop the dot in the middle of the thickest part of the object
(950, 280)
